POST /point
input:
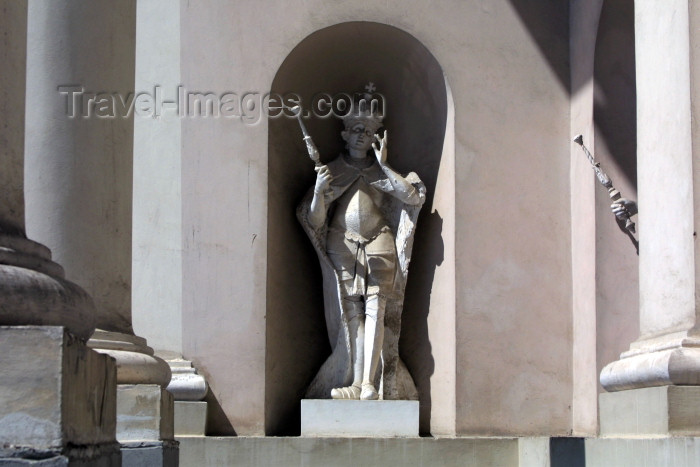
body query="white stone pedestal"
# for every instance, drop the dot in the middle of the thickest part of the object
(57, 398)
(145, 425)
(144, 412)
(656, 426)
(190, 418)
(343, 418)
(657, 411)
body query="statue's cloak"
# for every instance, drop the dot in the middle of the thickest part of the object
(393, 379)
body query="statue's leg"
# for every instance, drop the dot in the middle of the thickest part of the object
(352, 308)
(374, 337)
(381, 271)
(343, 254)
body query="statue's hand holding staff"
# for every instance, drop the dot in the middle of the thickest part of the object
(624, 208)
(323, 178)
(317, 210)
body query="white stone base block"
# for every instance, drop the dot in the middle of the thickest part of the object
(343, 418)
(145, 426)
(199, 451)
(150, 454)
(190, 418)
(144, 413)
(104, 455)
(57, 398)
(638, 452)
(662, 411)
(209, 451)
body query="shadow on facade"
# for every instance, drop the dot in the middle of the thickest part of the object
(537, 16)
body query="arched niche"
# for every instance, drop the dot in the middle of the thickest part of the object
(615, 119)
(344, 58)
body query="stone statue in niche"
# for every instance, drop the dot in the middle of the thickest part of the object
(361, 216)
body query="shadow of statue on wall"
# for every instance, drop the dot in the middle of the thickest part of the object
(414, 344)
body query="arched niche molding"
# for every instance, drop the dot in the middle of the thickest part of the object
(615, 120)
(343, 58)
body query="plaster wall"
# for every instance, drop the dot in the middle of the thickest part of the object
(157, 212)
(514, 353)
(506, 64)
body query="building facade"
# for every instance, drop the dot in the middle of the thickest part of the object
(147, 145)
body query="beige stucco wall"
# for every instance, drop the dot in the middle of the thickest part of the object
(157, 212)
(506, 66)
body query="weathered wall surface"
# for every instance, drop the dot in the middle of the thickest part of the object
(157, 211)
(506, 63)
(513, 211)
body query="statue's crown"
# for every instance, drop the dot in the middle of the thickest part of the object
(367, 108)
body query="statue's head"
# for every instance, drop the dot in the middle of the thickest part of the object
(362, 122)
(359, 135)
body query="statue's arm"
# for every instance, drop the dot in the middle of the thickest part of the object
(402, 188)
(317, 210)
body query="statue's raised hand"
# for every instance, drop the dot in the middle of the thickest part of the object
(323, 178)
(380, 151)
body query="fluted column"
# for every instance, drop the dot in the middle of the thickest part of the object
(80, 68)
(668, 349)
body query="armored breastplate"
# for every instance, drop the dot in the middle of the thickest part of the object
(357, 211)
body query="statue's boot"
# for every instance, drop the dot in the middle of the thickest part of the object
(348, 392)
(352, 307)
(374, 337)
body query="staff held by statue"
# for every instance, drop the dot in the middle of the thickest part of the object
(310, 146)
(622, 208)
